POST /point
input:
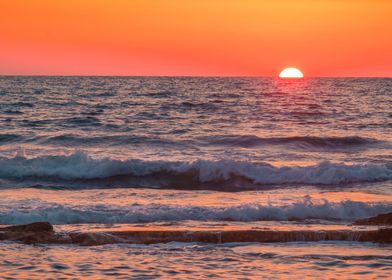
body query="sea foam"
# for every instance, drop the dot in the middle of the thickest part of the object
(80, 166)
(38, 210)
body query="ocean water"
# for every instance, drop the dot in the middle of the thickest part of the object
(109, 152)
(198, 261)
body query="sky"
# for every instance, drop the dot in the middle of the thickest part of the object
(196, 37)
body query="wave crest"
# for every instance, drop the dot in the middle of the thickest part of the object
(80, 166)
(135, 213)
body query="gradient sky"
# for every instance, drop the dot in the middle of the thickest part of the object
(195, 37)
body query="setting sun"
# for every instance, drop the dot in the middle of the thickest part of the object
(291, 73)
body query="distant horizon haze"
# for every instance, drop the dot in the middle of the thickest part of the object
(195, 76)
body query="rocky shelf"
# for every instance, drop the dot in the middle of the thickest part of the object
(43, 232)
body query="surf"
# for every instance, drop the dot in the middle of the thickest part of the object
(80, 166)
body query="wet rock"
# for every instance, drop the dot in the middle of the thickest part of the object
(95, 238)
(379, 220)
(225, 236)
(160, 236)
(43, 233)
(33, 227)
(383, 235)
(40, 232)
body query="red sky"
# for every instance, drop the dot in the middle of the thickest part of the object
(195, 37)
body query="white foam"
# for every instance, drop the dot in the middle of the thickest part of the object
(20, 212)
(81, 166)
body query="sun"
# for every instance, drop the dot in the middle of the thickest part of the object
(291, 73)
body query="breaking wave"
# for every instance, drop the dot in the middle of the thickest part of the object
(136, 213)
(80, 166)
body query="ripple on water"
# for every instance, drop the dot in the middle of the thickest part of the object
(198, 260)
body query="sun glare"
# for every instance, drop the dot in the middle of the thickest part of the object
(292, 73)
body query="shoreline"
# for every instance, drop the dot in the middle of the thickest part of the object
(44, 233)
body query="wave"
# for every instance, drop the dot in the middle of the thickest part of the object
(246, 141)
(299, 141)
(113, 140)
(80, 166)
(136, 213)
(75, 140)
(6, 138)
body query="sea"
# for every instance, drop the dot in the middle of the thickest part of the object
(87, 153)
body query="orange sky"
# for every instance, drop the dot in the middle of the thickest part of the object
(196, 37)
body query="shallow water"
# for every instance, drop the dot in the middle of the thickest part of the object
(95, 153)
(198, 261)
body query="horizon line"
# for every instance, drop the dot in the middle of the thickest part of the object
(188, 76)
